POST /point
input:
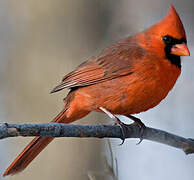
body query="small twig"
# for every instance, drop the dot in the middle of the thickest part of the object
(112, 166)
(98, 131)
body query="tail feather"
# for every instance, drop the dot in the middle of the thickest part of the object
(33, 149)
(27, 155)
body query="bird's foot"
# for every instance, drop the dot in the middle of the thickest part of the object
(141, 125)
(123, 126)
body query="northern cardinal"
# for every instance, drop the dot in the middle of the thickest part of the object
(131, 76)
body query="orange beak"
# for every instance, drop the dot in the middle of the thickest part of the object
(180, 50)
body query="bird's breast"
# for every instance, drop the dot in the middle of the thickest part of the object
(151, 82)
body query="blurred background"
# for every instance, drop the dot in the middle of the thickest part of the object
(40, 41)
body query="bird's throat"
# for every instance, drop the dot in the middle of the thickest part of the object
(175, 60)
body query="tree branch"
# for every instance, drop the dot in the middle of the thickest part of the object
(97, 131)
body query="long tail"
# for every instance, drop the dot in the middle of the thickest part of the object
(34, 148)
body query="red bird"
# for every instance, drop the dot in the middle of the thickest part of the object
(129, 77)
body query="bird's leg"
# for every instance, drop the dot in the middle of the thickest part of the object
(140, 124)
(122, 125)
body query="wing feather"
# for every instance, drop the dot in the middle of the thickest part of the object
(113, 62)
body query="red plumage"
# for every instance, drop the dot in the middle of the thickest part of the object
(129, 77)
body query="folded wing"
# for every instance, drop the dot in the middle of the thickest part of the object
(113, 62)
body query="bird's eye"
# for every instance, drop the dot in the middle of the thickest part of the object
(167, 39)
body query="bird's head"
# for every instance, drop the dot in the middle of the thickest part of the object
(166, 38)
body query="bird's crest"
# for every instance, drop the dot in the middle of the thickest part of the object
(170, 25)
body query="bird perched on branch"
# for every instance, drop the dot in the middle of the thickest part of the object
(129, 77)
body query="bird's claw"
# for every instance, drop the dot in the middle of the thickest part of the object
(124, 129)
(141, 125)
(122, 125)
(142, 130)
